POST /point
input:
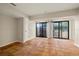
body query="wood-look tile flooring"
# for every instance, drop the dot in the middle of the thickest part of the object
(42, 47)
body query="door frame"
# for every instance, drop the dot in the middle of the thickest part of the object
(60, 22)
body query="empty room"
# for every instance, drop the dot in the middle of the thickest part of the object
(39, 29)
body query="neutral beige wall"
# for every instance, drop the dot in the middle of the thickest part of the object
(20, 29)
(8, 30)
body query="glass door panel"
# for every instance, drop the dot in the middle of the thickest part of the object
(41, 29)
(55, 29)
(44, 29)
(64, 29)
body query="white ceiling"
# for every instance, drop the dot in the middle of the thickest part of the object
(32, 9)
(7, 9)
(41, 8)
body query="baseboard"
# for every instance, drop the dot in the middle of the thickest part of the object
(9, 44)
(76, 45)
(28, 39)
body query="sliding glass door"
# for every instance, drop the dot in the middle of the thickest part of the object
(41, 29)
(65, 30)
(61, 29)
(55, 29)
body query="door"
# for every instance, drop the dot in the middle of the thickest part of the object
(55, 29)
(41, 29)
(65, 30)
(61, 29)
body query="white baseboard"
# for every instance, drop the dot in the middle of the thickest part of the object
(7, 43)
(28, 39)
(76, 45)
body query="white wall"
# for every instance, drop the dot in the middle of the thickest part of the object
(25, 29)
(48, 29)
(8, 30)
(76, 32)
(32, 29)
